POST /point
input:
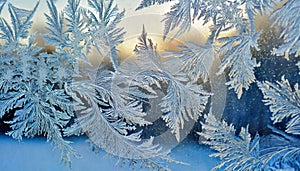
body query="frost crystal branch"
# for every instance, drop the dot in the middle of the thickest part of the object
(284, 102)
(236, 152)
(288, 16)
(183, 100)
(193, 59)
(147, 3)
(239, 59)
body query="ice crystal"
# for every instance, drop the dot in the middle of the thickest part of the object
(236, 152)
(284, 102)
(288, 17)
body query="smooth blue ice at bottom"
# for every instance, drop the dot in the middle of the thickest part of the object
(38, 155)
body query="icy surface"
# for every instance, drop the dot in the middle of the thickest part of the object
(35, 154)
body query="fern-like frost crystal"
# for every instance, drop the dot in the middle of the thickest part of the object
(288, 16)
(284, 103)
(183, 100)
(239, 59)
(105, 127)
(147, 3)
(236, 152)
(30, 85)
(193, 59)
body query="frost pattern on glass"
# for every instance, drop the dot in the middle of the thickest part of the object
(50, 94)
